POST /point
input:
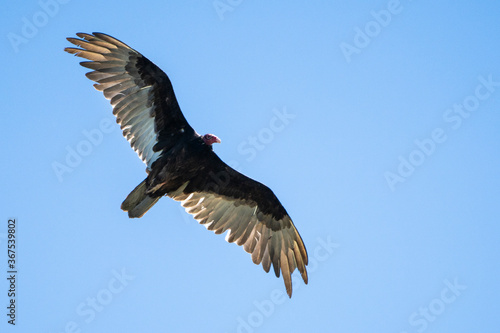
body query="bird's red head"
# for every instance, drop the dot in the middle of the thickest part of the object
(209, 139)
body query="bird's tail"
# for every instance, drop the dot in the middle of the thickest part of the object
(138, 202)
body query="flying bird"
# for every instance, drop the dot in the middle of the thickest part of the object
(182, 165)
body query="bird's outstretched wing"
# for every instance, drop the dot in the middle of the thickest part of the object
(216, 195)
(141, 94)
(222, 199)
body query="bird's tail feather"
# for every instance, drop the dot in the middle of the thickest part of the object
(138, 202)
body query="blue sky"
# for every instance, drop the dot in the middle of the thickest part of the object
(375, 123)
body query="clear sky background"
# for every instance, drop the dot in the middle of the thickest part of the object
(388, 163)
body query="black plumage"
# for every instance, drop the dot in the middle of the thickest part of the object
(182, 164)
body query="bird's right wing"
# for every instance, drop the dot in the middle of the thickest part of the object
(223, 199)
(141, 94)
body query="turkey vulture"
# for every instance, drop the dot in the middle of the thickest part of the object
(182, 164)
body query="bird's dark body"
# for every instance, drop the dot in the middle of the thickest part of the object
(182, 164)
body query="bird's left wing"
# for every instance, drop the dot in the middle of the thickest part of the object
(223, 199)
(141, 94)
